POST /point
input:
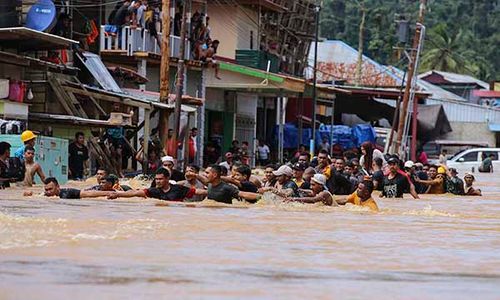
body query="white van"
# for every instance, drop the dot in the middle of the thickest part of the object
(469, 160)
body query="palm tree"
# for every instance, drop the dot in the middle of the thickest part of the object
(443, 51)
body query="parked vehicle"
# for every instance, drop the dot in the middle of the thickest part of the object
(434, 148)
(470, 160)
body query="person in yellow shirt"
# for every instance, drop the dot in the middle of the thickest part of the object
(363, 196)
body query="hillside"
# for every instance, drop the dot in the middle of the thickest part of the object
(463, 36)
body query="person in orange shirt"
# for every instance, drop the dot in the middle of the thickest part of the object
(362, 196)
(323, 166)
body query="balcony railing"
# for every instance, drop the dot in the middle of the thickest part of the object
(140, 40)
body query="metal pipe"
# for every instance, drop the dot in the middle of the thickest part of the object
(316, 34)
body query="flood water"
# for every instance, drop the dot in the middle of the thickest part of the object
(444, 247)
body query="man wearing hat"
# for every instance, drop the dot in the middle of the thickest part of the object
(469, 189)
(454, 184)
(298, 173)
(319, 192)
(29, 139)
(168, 163)
(228, 163)
(284, 185)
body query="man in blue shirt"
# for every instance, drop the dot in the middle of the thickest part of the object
(29, 139)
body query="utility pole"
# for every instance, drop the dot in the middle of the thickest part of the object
(315, 71)
(411, 72)
(164, 69)
(360, 42)
(180, 75)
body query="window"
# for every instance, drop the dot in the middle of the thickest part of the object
(488, 153)
(471, 156)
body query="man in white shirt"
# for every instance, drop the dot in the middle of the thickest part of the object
(264, 152)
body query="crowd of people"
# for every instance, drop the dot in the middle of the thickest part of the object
(147, 15)
(332, 179)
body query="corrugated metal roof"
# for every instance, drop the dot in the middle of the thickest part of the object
(468, 112)
(338, 61)
(457, 78)
(99, 71)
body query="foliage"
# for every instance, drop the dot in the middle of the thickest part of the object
(463, 36)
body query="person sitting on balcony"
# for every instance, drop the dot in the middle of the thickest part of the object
(205, 52)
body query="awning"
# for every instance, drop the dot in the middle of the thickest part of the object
(241, 78)
(68, 119)
(124, 98)
(31, 62)
(127, 74)
(26, 39)
(494, 127)
(432, 122)
(155, 97)
(486, 94)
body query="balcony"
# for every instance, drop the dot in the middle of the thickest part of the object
(139, 40)
(258, 59)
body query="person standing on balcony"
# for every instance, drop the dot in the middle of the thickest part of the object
(121, 18)
(140, 16)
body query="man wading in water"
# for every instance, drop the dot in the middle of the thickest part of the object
(163, 190)
(31, 167)
(52, 189)
(396, 183)
(319, 192)
(220, 191)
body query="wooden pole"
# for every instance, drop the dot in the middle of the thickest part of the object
(359, 64)
(411, 72)
(164, 68)
(180, 75)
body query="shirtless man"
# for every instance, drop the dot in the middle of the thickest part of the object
(31, 166)
(319, 192)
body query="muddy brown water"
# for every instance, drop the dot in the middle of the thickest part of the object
(439, 247)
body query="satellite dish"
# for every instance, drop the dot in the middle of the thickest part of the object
(41, 15)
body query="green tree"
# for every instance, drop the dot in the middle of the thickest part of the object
(443, 51)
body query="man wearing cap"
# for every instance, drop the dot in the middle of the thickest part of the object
(298, 173)
(436, 182)
(228, 163)
(284, 185)
(454, 184)
(168, 163)
(411, 173)
(395, 183)
(319, 192)
(469, 189)
(29, 139)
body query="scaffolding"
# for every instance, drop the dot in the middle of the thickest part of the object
(290, 26)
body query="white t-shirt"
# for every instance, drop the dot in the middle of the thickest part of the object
(263, 152)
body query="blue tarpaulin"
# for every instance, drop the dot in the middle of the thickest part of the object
(343, 135)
